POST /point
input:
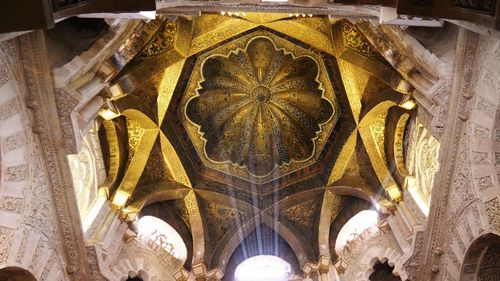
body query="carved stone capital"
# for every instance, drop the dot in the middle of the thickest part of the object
(201, 273)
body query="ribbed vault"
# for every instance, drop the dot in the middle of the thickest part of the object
(240, 131)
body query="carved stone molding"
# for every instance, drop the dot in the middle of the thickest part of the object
(457, 116)
(384, 247)
(48, 128)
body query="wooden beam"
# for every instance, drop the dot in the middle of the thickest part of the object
(484, 13)
(386, 3)
(108, 6)
(21, 15)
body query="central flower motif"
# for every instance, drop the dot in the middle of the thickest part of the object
(261, 93)
(259, 107)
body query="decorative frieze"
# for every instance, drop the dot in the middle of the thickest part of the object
(11, 204)
(9, 108)
(481, 131)
(485, 182)
(16, 173)
(5, 242)
(485, 106)
(492, 82)
(22, 247)
(4, 75)
(13, 142)
(480, 157)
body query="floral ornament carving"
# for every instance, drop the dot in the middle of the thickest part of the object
(260, 107)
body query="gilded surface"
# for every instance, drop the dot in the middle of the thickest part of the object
(173, 162)
(255, 108)
(261, 18)
(356, 41)
(372, 129)
(399, 144)
(167, 87)
(351, 87)
(377, 129)
(221, 219)
(155, 169)
(114, 156)
(161, 42)
(259, 107)
(225, 30)
(342, 162)
(305, 33)
(304, 215)
(135, 132)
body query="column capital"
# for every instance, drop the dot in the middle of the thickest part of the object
(200, 272)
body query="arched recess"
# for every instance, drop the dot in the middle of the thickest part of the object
(482, 261)
(15, 274)
(140, 275)
(359, 224)
(364, 238)
(382, 271)
(378, 253)
(261, 241)
(349, 207)
(172, 213)
(156, 253)
(249, 220)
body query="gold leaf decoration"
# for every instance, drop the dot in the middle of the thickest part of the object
(304, 215)
(356, 41)
(260, 107)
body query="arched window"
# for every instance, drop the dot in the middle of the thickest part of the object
(362, 224)
(263, 267)
(160, 236)
(15, 274)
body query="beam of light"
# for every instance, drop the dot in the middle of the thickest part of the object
(258, 268)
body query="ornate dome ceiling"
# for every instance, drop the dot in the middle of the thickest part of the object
(224, 126)
(259, 110)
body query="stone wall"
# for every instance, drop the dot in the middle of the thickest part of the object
(29, 230)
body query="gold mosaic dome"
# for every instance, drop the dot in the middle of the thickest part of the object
(260, 107)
